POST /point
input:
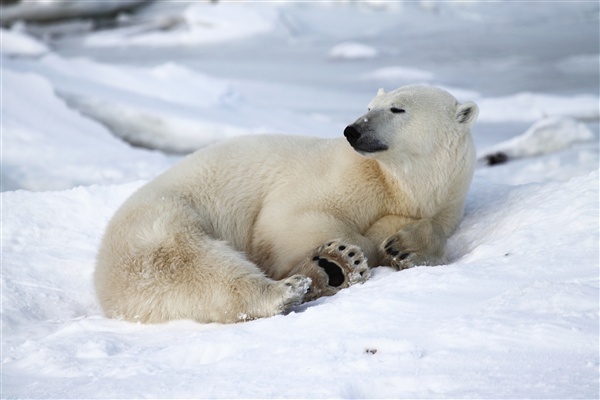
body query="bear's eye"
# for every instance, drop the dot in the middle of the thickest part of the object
(397, 110)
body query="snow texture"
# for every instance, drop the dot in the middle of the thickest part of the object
(352, 51)
(515, 313)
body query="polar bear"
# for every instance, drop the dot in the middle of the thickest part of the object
(248, 227)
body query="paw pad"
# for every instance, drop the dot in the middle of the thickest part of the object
(344, 264)
(333, 271)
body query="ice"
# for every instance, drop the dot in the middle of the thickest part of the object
(513, 315)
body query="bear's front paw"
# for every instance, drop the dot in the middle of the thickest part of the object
(333, 266)
(403, 250)
(397, 255)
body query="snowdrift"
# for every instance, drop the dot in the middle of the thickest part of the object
(514, 310)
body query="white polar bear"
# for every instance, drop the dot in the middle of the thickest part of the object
(248, 227)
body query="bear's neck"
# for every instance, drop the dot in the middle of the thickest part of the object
(414, 185)
(396, 190)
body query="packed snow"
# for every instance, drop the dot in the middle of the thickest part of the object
(87, 118)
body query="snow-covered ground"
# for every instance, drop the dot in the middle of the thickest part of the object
(515, 314)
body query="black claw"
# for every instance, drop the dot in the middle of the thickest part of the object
(390, 243)
(351, 254)
(315, 258)
(392, 252)
(342, 248)
(403, 256)
(357, 262)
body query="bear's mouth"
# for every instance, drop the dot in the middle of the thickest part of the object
(367, 146)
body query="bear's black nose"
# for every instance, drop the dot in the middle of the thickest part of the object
(351, 133)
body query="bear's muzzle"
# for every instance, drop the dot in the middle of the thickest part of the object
(363, 143)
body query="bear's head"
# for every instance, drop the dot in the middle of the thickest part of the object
(412, 122)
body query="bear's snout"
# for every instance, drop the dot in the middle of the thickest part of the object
(363, 143)
(351, 134)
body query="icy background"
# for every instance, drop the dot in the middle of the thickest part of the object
(516, 312)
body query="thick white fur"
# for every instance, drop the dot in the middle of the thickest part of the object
(216, 237)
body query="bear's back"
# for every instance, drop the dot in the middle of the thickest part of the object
(226, 184)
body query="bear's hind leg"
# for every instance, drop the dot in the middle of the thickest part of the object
(223, 286)
(189, 276)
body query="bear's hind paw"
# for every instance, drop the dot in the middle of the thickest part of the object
(344, 264)
(334, 266)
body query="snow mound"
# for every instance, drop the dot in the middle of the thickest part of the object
(545, 136)
(168, 82)
(21, 44)
(352, 51)
(168, 107)
(45, 152)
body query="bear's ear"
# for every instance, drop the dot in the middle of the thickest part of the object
(467, 113)
(380, 92)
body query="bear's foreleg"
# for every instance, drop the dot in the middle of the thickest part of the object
(333, 266)
(422, 242)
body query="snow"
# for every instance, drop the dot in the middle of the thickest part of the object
(197, 24)
(352, 51)
(399, 74)
(19, 43)
(59, 148)
(531, 107)
(515, 313)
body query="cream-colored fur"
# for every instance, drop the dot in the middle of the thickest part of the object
(248, 227)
